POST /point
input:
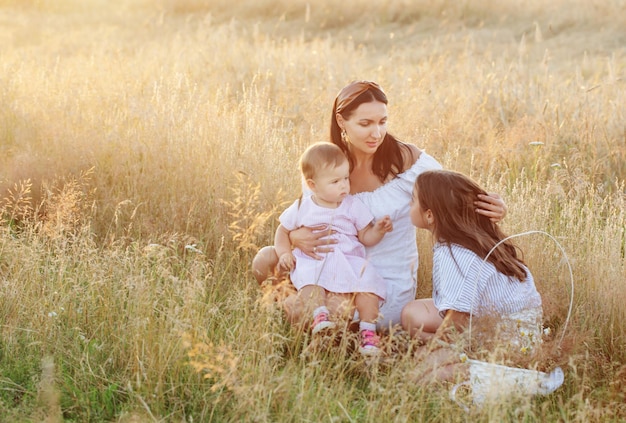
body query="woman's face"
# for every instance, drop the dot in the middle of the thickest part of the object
(366, 127)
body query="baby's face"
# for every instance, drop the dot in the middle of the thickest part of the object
(332, 184)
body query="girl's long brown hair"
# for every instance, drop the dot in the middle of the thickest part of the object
(450, 196)
(388, 159)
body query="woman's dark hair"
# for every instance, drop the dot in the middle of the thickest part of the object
(450, 196)
(388, 159)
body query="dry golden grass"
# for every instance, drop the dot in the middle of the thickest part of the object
(147, 147)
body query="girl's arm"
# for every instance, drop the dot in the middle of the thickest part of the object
(454, 319)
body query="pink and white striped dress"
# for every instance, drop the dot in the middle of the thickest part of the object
(346, 269)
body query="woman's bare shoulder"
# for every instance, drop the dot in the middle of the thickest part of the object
(410, 154)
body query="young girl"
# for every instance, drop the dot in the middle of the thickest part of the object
(343, 275)
(463, 283)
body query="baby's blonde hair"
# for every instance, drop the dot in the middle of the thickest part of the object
(319, 156)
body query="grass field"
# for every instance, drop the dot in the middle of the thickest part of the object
(148, 146)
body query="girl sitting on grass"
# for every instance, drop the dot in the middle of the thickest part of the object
(476, 272)
(343, 278)
(500, 288)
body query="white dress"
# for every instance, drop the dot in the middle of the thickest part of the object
(395, 257)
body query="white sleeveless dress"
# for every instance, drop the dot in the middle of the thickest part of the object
(395, 257)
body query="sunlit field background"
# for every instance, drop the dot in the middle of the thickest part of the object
(147, 148)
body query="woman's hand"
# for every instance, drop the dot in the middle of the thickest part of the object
(313, 240)
(492, 206)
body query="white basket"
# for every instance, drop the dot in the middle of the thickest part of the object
(495, 384)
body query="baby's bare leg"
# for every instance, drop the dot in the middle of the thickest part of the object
(367, 305)
(293, 309)
(340, 305)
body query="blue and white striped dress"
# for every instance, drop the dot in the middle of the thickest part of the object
(464, 282)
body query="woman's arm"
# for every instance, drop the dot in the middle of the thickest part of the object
(491, 205)
(313, 240)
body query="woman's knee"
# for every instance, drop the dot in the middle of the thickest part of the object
(292, 305)
(264, 263)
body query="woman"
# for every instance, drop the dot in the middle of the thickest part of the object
(383, 170)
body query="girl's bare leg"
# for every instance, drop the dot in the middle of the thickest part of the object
(440, 365)
(421, 318)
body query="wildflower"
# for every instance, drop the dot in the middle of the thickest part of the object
(193, 249)
(52, 314)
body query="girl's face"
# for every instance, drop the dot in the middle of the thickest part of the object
(366, 127)
(331, 184)
(420, 218)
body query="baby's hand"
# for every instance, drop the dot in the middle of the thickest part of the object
(384, 225)
(286, 262)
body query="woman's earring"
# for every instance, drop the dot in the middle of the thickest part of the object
(344, 137)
